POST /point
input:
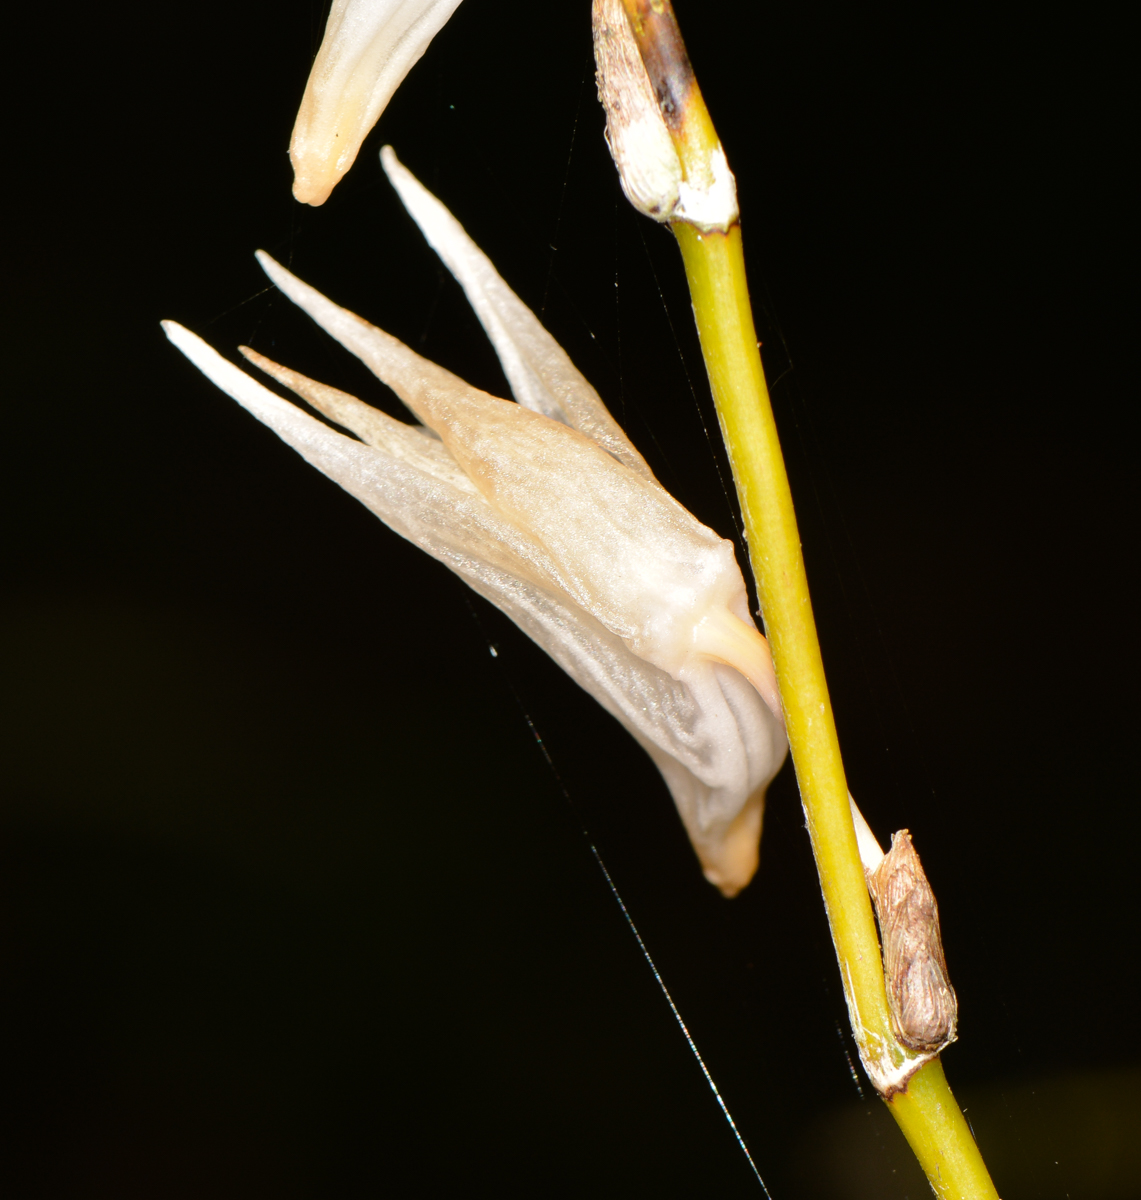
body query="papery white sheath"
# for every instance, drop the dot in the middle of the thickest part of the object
(547, 509)
(368, 48)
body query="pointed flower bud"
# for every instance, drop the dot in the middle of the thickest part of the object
(368, 48)
(547, 510)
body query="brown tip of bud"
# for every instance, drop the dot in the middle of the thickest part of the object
(924, 1008)
(668, 69)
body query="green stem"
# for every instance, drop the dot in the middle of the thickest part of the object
(913, 1085)
(925, 1109)
(715, 269)
(937, 1131)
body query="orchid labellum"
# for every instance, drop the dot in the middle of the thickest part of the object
(546, 509)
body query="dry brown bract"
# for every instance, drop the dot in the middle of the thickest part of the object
(923, 1005)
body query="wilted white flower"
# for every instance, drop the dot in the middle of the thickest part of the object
(546, 509)
(368, 48)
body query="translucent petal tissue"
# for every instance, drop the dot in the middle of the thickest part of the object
(368, 48)
(546, 509)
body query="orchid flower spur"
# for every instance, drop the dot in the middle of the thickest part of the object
(368, 48)
(546, 508)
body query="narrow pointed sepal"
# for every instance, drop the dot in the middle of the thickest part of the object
(541, 375)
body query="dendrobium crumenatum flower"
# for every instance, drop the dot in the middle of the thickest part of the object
(545, 508)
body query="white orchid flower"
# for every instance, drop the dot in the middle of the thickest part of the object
(546, 509)
(368, 48)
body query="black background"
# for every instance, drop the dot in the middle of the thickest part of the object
(291, 902)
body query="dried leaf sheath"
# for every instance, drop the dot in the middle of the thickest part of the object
(638, 601)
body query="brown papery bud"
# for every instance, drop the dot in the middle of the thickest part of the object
(924, 1008)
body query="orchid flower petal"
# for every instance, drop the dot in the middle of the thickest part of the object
(368, 48)
(541, 375)
(419, 501)
(624, 549)
(412, 443)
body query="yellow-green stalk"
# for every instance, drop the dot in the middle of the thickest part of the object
(703, 218)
